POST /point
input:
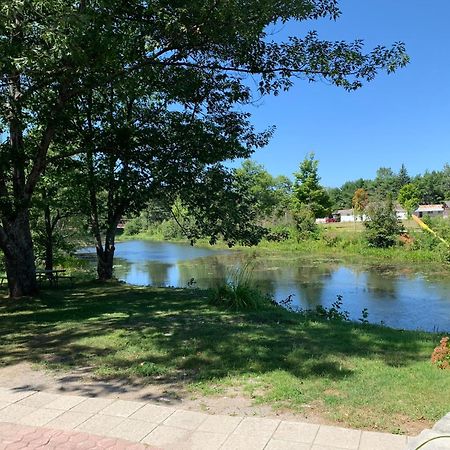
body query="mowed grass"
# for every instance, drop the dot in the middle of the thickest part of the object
(356, 375)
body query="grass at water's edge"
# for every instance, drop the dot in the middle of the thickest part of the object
(362, 376)
(351, 249)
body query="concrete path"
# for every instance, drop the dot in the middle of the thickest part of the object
(164, 427)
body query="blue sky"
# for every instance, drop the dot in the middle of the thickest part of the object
(395, 119)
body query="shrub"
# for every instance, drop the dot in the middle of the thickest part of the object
(331, 239)
(134, 226)
(383, 228)
(278, 234)
(441, 354)
(305, 223)
(335, 313)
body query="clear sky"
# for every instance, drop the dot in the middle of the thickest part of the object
(395, 119)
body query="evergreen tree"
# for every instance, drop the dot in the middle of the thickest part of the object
(308, 191)
(403, 177)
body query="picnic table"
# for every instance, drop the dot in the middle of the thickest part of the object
(53, 276)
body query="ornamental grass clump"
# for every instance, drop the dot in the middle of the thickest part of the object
(238, 291)
(441, 354)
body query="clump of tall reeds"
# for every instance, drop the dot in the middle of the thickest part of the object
(238, 290)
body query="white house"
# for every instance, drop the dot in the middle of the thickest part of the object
(346, 215)
(439, 210)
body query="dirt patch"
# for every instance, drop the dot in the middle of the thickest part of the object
(80, 382)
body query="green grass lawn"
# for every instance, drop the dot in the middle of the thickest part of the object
(356, 375)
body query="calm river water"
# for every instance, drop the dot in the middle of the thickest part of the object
(401, 296)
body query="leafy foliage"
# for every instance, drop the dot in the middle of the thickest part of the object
(305, 223)
(409, 197)
(382, 227)
(360, 201)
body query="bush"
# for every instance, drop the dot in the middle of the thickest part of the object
(278, 234)
(441, 354)
(238, 292)
(305, 223)
(134, 226)
(382, 228)
(170, 230)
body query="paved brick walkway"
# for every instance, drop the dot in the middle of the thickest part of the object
(44, 420)
(23, 437)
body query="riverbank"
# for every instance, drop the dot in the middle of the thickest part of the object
(343, 245)
(173, 342)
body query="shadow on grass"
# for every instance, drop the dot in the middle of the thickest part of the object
(173, 335)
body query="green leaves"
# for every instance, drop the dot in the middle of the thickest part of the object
(307, 190)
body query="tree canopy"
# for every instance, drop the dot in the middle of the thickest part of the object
(185, 67)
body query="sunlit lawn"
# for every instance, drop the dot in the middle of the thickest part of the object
(356, 375)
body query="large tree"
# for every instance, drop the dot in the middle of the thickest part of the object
(54, 53)
(272, 194)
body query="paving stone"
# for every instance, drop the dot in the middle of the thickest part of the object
(99, 424)
(153, 413)
(39, 399)
(328, 447)
(65, 402)
(245, 442)
(277, 444)
(426, 435)
(166, 437)
(296, 431)
(381, 441)
(132, 430)
(189, 420)
(443, 425)
(92, 405)
(39, 417)
(4, 404)
(257, 426)
(220, 424)
(122, 408)
(339, 437)
(14, 412)
(202, 440)
(45, 439)
(69, 420)
(14, 395)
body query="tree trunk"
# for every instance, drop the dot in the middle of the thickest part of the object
(19, 256)
(48, 239)
(105, 261)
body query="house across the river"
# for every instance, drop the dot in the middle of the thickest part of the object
(347, 215)
(438, 210)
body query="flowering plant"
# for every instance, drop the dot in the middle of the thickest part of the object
(441, 354)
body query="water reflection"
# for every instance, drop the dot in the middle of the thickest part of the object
(397, 296)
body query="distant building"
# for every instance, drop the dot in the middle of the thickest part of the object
(346, 215)
(439, 210)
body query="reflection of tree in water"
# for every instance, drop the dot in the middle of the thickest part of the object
(382, 281)
(311, 281)
(206, 272)
(159, 273)
(121, 268)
